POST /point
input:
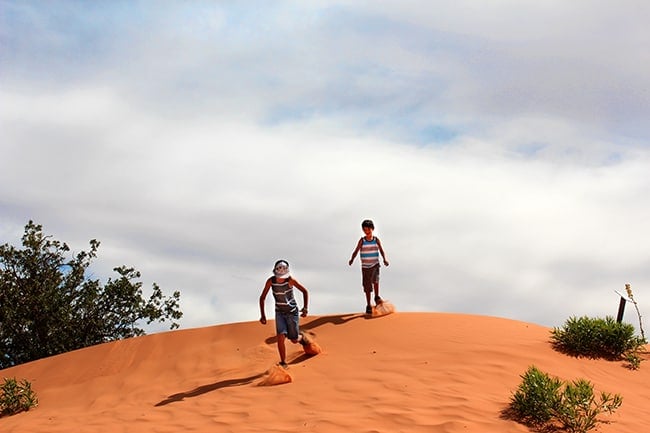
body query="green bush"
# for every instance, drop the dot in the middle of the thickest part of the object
(16, 396)
(578, 408)
(633, 360)
(546, 403)
(534, 401)
(596, 338)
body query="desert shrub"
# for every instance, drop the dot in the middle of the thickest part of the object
(578, 408)
(546, 403)
(534, 401)
(596, 338)
(16, 396)
(633, 360)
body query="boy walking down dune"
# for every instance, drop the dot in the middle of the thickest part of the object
(286, 308)
(370, 248)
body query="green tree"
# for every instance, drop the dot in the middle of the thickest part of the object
(48, 305)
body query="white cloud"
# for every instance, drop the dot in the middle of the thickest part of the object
(200, 153)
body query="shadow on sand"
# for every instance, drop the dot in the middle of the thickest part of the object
(203, 389)
(339, 319)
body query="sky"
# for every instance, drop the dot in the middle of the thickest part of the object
(501, 148)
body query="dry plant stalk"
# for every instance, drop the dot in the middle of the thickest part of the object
(628, 289)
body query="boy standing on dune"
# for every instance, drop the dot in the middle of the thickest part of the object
(286, 308)
(370, 247)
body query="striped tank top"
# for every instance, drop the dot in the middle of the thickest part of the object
(283, 294)
(369, 253)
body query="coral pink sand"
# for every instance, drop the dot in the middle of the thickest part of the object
(405, 372)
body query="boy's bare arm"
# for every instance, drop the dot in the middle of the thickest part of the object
(381, 250)
(305, 297)
(265, 291)
(355, 252)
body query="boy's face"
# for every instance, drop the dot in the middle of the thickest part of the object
(367, 231)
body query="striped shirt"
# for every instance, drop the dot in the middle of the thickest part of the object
(283, 294)
(369, 253)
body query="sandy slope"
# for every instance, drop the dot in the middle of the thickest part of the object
(406, 372)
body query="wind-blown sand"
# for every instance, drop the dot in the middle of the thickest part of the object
(405, 372)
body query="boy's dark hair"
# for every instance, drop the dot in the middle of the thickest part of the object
(368, 223)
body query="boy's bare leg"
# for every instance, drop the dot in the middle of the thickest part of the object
(377, 298)
(281, 348)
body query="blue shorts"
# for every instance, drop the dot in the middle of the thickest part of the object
(287, 324)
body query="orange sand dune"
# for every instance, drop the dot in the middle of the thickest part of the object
(405, 372)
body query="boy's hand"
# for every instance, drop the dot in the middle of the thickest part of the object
(350, 262)
(263, 320)
(303, 312)
(385, 262)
